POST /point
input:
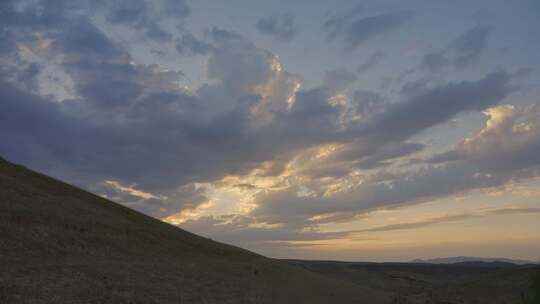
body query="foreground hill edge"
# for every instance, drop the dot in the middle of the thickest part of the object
(60, 244)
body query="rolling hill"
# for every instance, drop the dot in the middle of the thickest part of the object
(60, 244)
(423, 283)
(463, 259)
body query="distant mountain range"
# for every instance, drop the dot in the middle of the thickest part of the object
(465, 259)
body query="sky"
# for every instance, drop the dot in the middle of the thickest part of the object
(339, 130)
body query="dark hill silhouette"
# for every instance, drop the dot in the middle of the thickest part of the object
(60, 244)
(424, 283)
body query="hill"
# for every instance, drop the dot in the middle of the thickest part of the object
(422, 283)
(60, 244)
(464, 259)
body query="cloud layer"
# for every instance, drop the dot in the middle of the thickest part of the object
(283, 27)
(355, 27)
(81, 100)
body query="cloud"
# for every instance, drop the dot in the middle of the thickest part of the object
(245, 231)
(505, 151)
(338, 79)
(191, 45)
(147, 16)
(450, 218)
(355, 29)
(183, 199)
(382, 135)
(238, 63)
(282, 27)
(436, 105)
(373, 60)
(241, 230)
(332, 148)
(464, 51)
(132, 191)
(509, 141)
(132, 123)
(177, 9)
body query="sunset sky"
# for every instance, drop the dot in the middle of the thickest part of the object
(348, 130)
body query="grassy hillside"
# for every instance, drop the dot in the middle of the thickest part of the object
(60, 244)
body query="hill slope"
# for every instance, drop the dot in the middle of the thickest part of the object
(421, 283)
(60, 244)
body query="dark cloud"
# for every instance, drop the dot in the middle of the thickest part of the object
(355, 29)
(366, 103)
(383, 137)
(176, 9)
(338, 22)
(38, 123)
(470, 45)
(462, 52)
(283, 27)
(412, 188)
(133, 124)
(505, 151)
(237, 62)
(373, 60)
(433, 106)
(146, 16)
(158, 34)
(435, 61)
(223, 36)
(188, 44)
(82, 40)
(383, 134)
(338, 79)
(389, 152)
(128, 12)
